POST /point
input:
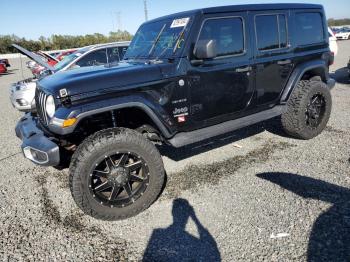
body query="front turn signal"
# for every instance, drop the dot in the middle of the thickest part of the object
(69, 122)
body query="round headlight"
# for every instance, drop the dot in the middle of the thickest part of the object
(50, 106)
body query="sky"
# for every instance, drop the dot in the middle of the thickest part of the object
(33, 18)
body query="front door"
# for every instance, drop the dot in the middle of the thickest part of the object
(222, 88)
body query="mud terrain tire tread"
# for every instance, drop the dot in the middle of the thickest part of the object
(293, 120)
(96, 144)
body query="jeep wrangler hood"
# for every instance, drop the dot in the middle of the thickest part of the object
(101, 79)
(33, 57)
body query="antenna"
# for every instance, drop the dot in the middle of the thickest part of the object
(146, 10)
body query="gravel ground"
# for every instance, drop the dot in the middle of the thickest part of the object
(274, 199)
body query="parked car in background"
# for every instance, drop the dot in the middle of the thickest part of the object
(3, 68)
(343, 34)
(185, 78)
(51, 60)
(37, 68)
(332, 42)
(54, 54)
(22, 93)
(63, 54)
(34, 66)
(349, 67)
(30, 64)
(6, 62)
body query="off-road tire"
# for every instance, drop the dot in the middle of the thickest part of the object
(293, 120)
(99, 144)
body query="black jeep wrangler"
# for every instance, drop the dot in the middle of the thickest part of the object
(185, 78)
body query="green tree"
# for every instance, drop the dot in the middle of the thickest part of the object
(58, 42)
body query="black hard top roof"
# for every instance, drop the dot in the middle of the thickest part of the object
(237, 8)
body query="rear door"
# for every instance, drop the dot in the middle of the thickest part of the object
(273, 58)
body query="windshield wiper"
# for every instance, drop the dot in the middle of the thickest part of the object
(177, 40)
(156, 40)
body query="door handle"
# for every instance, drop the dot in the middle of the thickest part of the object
(244, 69)
(284, 62)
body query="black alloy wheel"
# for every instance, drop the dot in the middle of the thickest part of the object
(115, 174)
(118, 180)
(308, 109)
(315, 111)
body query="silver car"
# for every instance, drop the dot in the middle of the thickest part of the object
(22, 93)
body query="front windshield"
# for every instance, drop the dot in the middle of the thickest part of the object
(161, 39)
(68, 59)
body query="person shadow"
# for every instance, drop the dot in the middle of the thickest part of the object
(175, 244)
(330, 235)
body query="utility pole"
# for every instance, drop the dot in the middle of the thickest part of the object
(146, 10)
(119, 20)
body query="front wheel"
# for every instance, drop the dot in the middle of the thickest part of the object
(308, 109)
(116, 174)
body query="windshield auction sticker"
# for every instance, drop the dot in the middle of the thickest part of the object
(180, 22)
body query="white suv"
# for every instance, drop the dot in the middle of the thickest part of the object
(22, 93)
(343, 34)
(333, 46)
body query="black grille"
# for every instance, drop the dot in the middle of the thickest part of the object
(40, 102)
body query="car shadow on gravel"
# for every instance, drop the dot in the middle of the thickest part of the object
(341, 76)
(174, 243)
(330, 235)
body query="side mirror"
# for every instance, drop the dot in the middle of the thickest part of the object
(205, 49)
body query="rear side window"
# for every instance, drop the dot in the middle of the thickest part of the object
(228, 34)
(309, 28)
(271, 32)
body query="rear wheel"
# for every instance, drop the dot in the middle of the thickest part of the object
(308, 110)
(116, 174)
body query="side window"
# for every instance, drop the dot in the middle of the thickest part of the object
(113, 54)
(309, 28)
(97, 57)
(228, 34)
(271, 32)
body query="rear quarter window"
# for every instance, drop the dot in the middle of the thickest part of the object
(309, 28)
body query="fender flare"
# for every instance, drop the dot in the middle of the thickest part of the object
(83, 114)
(298, 73)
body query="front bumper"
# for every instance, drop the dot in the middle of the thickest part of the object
(343, 37)
(36, 146)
